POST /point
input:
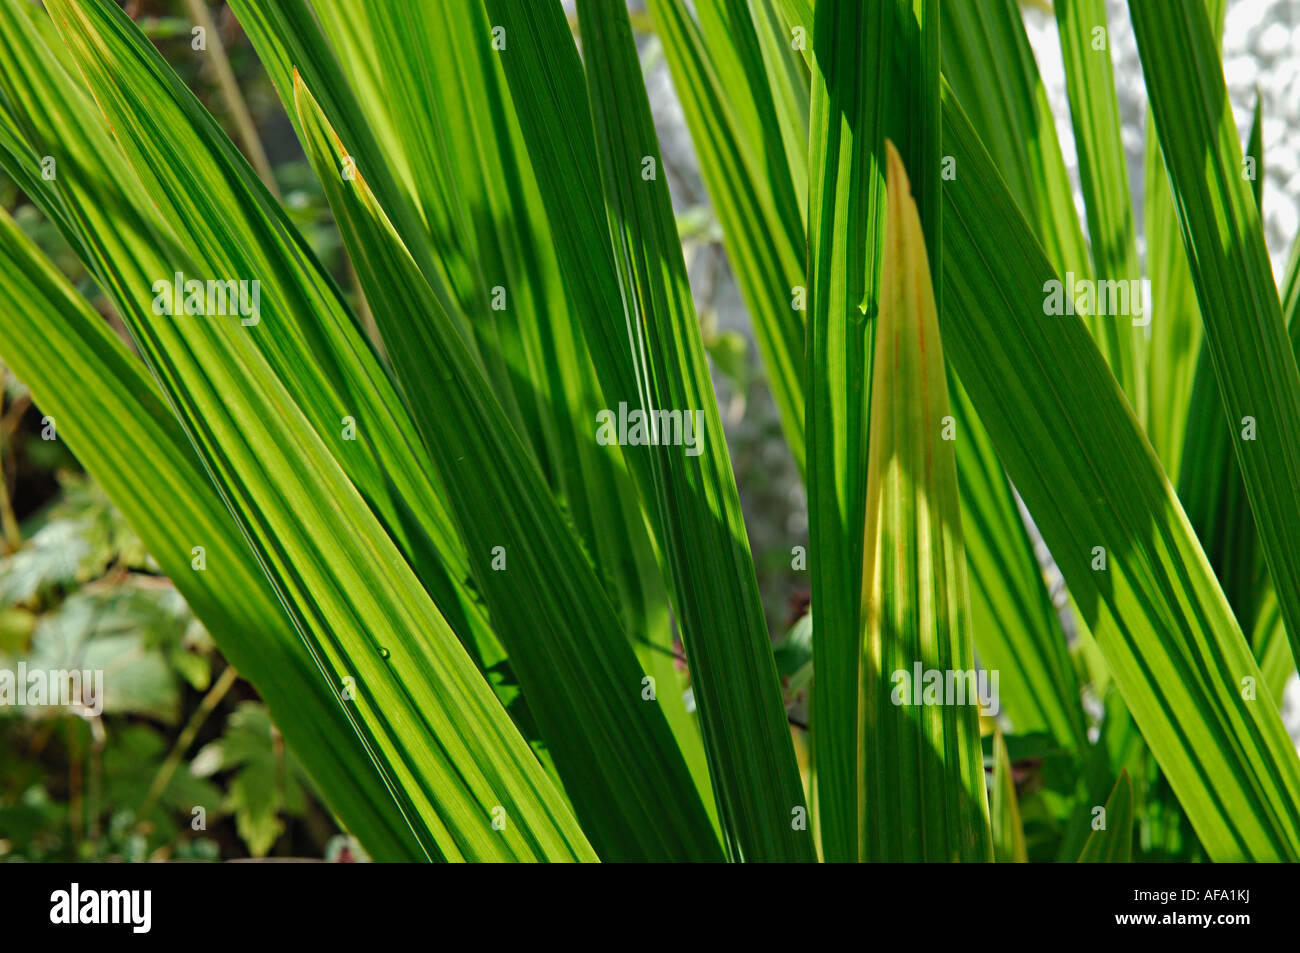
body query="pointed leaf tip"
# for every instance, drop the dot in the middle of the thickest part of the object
(895, 172)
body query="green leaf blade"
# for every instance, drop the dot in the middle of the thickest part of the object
(1113, 843)
(634, 303)
(1004, 809)
(1156, 610)
(78, 371)
(611, 746)
(845, 229)
(923, 794)
(1244, 331)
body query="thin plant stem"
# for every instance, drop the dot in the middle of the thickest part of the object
(210, 701)
(230, 94)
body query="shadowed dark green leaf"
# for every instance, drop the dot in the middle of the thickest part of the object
(638, 321)
(1247, 341)
(1113, 844)
(611, 744)
(1091, 481)
(846, 221)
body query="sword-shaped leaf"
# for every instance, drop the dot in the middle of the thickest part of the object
(1109, 517)
(1094, 110)
(441, 740)
(612, 225)
(1004, 809)
(1113, 843)
(923, 795)
(1221, 226)
(117, 422)
(592, 701)
(850, 79)
(758, 208)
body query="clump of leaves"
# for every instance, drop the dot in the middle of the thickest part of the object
(402, 482)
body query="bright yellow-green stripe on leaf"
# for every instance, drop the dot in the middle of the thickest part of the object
(1004, 809)
(922, 795)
